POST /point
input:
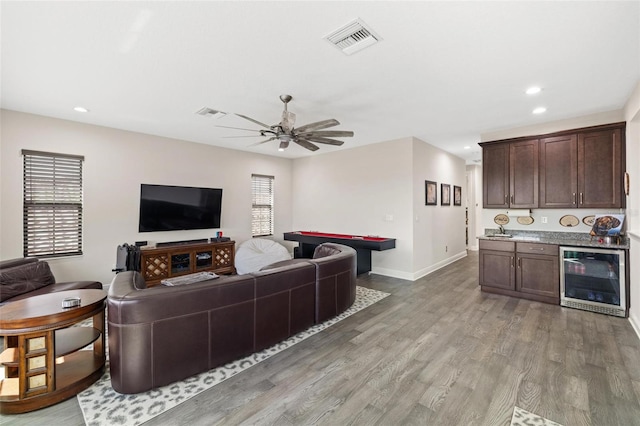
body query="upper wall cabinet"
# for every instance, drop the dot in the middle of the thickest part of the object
(601, 165)
(569, 169)
(510, 174)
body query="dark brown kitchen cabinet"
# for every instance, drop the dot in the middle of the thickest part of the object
(559, 172)
(524, 270)
(601, 169)
(497, 264)
(583, 169)
(538, 270)
(510, 174)
(495, 175)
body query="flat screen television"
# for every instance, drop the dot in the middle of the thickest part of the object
(173, 208)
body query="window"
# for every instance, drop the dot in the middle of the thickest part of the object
(262, 205)
(52, 204)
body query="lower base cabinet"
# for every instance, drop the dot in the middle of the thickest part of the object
(519, 269)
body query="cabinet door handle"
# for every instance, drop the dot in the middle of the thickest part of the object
(506, 199)
(574, 198)
(519, 262)
(581, 198)
(511, 198)
(512, 264)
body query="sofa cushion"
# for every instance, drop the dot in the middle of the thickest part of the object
(24, 278)
(71, 285)
(10, 263)
(324, 250)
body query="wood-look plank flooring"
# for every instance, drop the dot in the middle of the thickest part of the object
(435, 352)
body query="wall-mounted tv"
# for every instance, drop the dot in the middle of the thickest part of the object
(173, 208)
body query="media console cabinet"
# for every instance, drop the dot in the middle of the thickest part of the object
(170, 261)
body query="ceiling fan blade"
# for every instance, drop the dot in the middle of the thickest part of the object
(306, 144)
(324, 124)
(253, 121)
(239, 128)
(325, 140)
(260, 143)
(327, 133)
(245, 136)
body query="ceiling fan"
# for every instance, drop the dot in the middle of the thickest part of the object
(306, 136)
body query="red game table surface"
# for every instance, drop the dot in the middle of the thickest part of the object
(342, 236)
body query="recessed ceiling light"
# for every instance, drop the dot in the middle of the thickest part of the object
(80, 109)
(467, 147)
(533, 90)
(539, 110)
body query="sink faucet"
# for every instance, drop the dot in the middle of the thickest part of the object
(501, 228)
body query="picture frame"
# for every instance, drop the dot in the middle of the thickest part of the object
(457, 195)
(445, 194)
(430, 193)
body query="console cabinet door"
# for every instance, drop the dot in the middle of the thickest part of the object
(559, 172)
(600, 169)
(523, 174)
(497, 269)
(538, 274)
(495, 175)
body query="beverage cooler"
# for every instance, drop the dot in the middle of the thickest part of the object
(593, 279)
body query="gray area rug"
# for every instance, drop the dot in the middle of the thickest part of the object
(523, 417)
(102, 406)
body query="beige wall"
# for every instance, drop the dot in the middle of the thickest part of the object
(438, 231)
(116, 163)
(361, 191)
(632, 116)
(379, 190)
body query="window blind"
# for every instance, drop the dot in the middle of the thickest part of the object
(52, 215)
(262, 205)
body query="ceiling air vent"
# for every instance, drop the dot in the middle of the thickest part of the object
(353, 37)
(211, 113)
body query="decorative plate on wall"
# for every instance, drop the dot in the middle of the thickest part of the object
(501, 219)
(525, 220)
(589, 220)
(569, 220)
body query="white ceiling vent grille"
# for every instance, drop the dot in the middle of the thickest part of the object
(353, 37)
(211, 113)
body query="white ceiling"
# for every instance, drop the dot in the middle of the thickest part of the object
(444, 72)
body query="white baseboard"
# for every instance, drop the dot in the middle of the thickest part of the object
(635, 322)
(419, 274)
(426, 271)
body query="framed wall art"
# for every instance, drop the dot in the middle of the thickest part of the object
(445, 194)
(457, 195)
(431, 193)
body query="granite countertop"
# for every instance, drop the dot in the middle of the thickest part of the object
(577, 239)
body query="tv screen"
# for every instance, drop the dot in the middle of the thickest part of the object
(173, 208)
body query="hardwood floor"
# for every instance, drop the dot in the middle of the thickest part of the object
(438, 352)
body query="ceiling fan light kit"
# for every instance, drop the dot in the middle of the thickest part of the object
(306, 136)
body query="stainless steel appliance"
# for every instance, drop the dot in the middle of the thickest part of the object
(593, 279)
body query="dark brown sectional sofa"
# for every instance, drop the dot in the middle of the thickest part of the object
(26, 277)
(160, 335)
